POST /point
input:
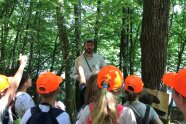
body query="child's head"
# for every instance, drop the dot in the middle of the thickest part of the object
(176, 81)
(110, 77)
(133, 83)
(25, 81)
(47, 83)
(133, 87)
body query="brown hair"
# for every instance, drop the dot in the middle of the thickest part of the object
(91, 89)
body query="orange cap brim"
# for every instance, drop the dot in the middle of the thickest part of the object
(169, 79)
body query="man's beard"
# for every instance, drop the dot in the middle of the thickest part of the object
(89, 51)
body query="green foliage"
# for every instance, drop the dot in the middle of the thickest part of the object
(33, 22)
(37, 19)
(177, 36)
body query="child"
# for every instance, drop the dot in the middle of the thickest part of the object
(48, 86)
(7, 91)
(177, 81)
(133, 88)
(105, 110)
(23, 100)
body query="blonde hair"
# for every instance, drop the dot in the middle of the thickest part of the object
(105, 111)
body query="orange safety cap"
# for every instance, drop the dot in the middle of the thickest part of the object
(177, 81)
(48, 82)
(112, 75)
(135, 82)
(4, 82)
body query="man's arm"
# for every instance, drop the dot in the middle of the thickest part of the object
(7, 98)
(81, 75)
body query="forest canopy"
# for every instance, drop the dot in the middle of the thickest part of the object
(52, 33)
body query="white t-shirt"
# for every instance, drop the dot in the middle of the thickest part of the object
(96, 62)
(23, 102)
(3, 110)
(126, 117)
(63, 118)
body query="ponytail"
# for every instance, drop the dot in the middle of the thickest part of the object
(105, 111)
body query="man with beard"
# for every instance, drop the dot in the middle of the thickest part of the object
(85, 64)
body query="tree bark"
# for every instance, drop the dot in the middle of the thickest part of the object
(124, 44)
(132, 47)
(54, 54)
(65, 47)
(77, 32)
(154, 39)
(97, 25)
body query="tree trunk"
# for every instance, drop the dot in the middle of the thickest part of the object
(154, 39)
(65, 47)
(97, 25)
(180, 54)
(77, 32)
(54, 54)
(25, 38)
(124, 43)
(132, 47)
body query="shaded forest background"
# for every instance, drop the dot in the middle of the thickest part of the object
(142, 37)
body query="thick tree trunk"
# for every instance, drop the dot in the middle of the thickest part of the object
(65, 47)
(124, 44)
(154, 39)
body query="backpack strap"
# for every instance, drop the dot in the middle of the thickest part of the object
(91, 106)
(145, 118)
(89, 119)
(119, 109)
(55, 112)
(14, 114)
(6, 118)
(87, 63)
(36, 109)
(33, 111)
(146, 114)
(135, 111)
